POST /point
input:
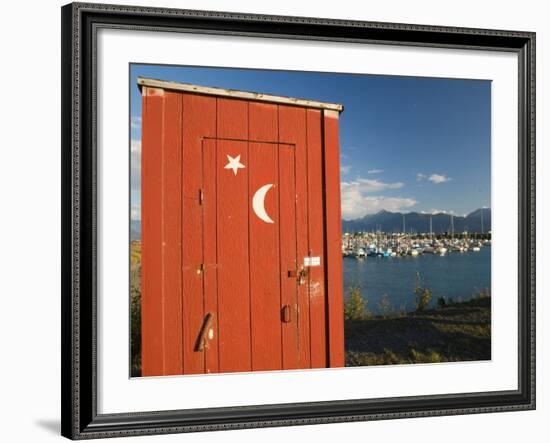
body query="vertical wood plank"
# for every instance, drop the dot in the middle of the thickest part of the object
(263, 122)
(210, 252)
(233, 238)
(232, 119)
(316, 277)
(265, 296)
(264, 240)
(334, 240)
(152, 344)
(171, 234)
(287, 239)
(292, 129)
(233, 260)
(199, 120)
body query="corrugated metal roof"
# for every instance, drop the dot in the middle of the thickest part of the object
(244, 95)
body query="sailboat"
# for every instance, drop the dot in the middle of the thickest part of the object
(429, 247)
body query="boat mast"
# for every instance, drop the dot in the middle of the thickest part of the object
(481, 212)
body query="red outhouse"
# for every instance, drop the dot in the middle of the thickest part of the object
(241, 231)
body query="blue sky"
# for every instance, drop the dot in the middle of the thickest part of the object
(407, 143)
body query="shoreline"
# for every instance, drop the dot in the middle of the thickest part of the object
(458, 331)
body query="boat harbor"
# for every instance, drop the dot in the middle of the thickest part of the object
(361, 245)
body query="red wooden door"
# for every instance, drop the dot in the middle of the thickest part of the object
(240, 260)
(236, 242)
(254, 256)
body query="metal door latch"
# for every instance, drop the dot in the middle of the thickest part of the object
(299, 274)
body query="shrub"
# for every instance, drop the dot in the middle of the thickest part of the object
(385, 306)
(135, 311)
(429, 356)
(391, 357)
(423, 295)
(482, 293)
(355, 307)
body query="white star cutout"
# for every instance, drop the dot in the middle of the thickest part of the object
(234, 163)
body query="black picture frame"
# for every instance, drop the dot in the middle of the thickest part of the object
(80, 22)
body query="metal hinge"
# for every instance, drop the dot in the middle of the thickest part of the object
(201, 196)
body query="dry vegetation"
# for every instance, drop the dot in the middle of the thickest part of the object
(454, 331)
(135, 307)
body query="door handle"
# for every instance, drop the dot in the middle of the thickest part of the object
(201, 339)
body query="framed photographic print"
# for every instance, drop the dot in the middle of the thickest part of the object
(273, 221)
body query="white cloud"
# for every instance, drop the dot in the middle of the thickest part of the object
(135, 146)
(375, 171)
(345, 169)
(365, 185)
(434, 178)
(357, 203)
(135, 122)
(135, 165)
(356, 206)
(135, 213)
(442, 211)
(438, 178)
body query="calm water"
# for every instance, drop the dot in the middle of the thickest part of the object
(454, 275)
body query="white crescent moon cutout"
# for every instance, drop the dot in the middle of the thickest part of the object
(258, 203)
